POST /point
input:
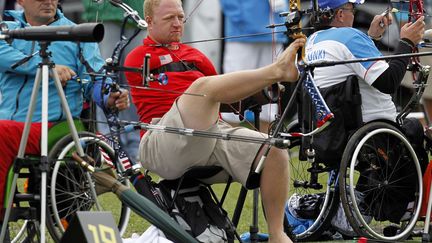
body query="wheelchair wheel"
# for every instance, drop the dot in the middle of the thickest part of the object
(71, 185)
(312, 207)
(380, 183)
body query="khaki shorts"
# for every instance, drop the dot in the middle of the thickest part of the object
(170, 155)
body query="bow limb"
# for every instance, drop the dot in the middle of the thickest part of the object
(410, 11)
(420, 73)
(195, 7)
(416, 9)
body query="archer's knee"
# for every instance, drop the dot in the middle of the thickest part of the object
(279, 158)
(201, 85)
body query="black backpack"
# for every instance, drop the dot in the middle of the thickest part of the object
(344, 101)
(193, 208)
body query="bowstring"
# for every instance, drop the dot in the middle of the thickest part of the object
(275, 123)
(236, 111)
(90, 72)
(189, 67)
(274, 56)
(229, 105)
(92, 106)
(101, 6)
(192, 11)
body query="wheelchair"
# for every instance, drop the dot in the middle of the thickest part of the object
(375, 176)
(380, 182)
(70, 187)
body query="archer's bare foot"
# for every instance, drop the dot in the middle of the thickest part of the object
(279, 238)
(285, 65)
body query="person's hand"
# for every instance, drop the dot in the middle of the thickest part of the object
(413, 31)
(119, 100)
(379, 25)
(65, 73)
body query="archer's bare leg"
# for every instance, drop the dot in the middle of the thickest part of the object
(202, 112)
(274, 192)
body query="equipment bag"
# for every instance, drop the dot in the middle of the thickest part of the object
(344, 100)
(197, 212)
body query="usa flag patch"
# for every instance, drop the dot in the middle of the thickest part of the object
(165, 59)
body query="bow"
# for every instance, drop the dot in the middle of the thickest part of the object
(294, 31)
(420, 73)
(125, 166)
(415, 11)
(305, 83)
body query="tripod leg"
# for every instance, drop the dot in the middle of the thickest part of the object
(44, 150)
(29, 117)
(21, 150)
(74, 131)
(69, 120)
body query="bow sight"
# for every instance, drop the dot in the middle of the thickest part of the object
(293, 18)
(318, 17)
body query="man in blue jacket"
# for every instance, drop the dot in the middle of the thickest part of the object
(16, 84)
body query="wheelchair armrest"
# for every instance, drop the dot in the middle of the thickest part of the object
(61, 129)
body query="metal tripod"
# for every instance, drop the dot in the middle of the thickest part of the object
(42, 78)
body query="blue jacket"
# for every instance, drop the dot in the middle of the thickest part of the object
(16, 84)
(243, 17)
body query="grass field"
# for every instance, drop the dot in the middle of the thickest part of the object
(138, 225)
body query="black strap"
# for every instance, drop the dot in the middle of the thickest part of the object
(110, 68)
(175, 67)
(83, 61)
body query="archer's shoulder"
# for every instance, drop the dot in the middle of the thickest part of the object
(346, 32)
(354, 31)
(342, 34)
